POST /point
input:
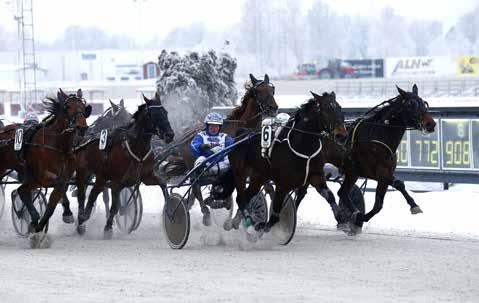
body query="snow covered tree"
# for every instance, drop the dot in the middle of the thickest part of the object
(190, 85)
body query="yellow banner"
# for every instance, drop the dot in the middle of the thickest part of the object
(467, 65)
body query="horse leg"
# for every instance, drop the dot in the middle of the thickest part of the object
(241, 198)
(80, 183)
(319, 183)
(25, 193)
(196, 191)
(300, 194)
(67, 213)
(115, 205)
(96, 190)
(399, 185)
(106, 200)
(57, 193)
(343, 194)
(279, 196)
(378, 202)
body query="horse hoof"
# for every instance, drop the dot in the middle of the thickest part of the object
(416, 210)
(228, 225)
(343, 227)
(68, 219)
(32, 228)
(81, 229)
(252, 237)
(353, 230)
(237, 219)
(206, 219)
(108, 234)
(40, 240)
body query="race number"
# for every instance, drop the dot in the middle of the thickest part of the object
(103, 139)
(266, 136)
(18, 139)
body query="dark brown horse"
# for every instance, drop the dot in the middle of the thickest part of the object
(126, 162)
(47, 158)
(297, 157)
(371, 150)
(257, 102)
(113, 117)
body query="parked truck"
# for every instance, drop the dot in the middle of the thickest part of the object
(335, 69)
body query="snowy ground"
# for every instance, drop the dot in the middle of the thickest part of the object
(432, 257)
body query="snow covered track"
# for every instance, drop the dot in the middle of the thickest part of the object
(393, 260)
(218, 266)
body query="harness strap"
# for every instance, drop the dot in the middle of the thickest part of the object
(353, 137)
(127, 145)
(383, 144)
(308, 158)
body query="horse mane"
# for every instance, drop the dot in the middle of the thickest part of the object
(239, 110)
(136, 115)
(382, 110)
(303, 108)
(54, 107)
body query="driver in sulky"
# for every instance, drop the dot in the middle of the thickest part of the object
(208, 142)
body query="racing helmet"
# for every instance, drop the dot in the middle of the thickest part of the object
(31, 117)
(213, 118)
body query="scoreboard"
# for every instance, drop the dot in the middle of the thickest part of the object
(453, 146)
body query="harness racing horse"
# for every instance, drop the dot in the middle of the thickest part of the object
(113, 117)
(127, 161)
(373, 141)
(48, 157)
(257, 101)
(296, 159)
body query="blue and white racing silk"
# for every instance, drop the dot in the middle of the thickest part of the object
(221, 140)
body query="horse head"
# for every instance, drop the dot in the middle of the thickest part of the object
(263, 94)
(72, 108)
(415, 111)
(157, 118)
(330, 117)
(117, 115)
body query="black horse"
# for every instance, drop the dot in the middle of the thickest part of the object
(296, 159)
(371, 150)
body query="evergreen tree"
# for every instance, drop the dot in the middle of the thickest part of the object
(190, 85)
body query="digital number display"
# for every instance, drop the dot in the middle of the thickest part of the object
(402, 153)
(425, 149)
(456, 149)
(475, 141)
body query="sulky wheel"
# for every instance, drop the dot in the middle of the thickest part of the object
(176, 219)
(257, 208)
(2, 200)
(357, 198)
(20, 216)
(284, 230)
(129, 211)
(139, 201)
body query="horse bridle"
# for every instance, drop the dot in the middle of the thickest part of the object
(72, 119)
(411, 112)
(260, 100)
(160, 133)
(329, 127)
